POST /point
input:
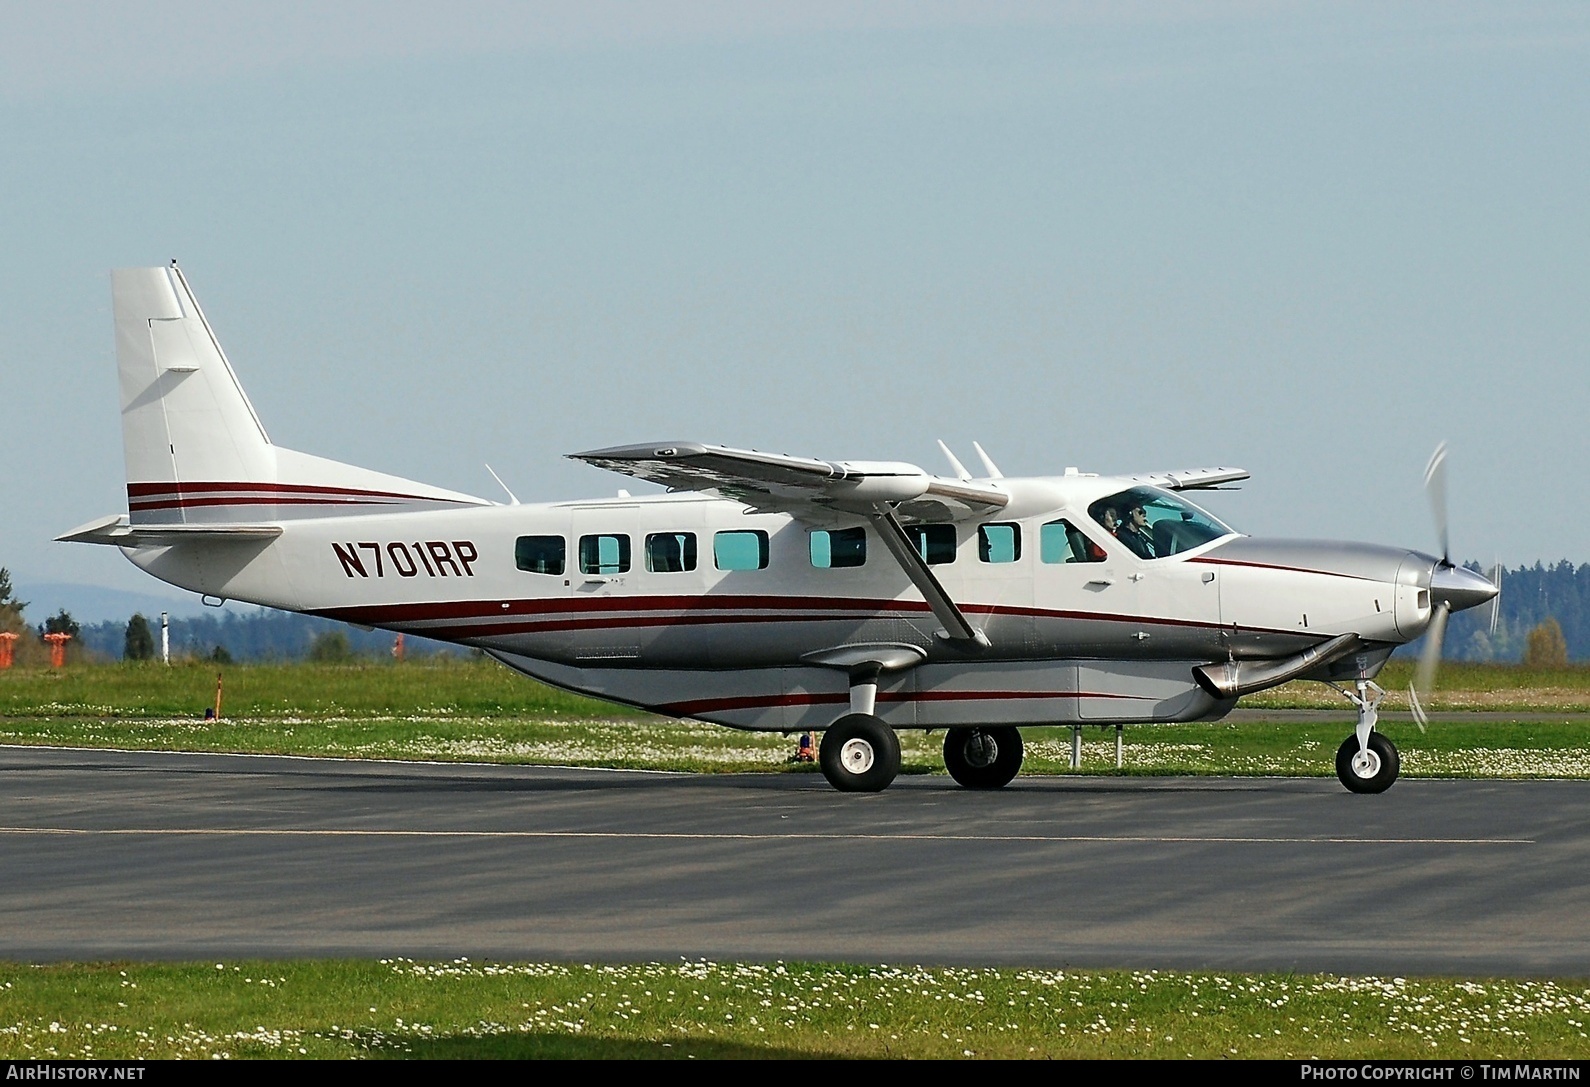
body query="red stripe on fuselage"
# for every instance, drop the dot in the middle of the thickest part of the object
(473, 609)
(475, 619)
(194, 503)
(376, 614)
(141, 490)
(1277, 566)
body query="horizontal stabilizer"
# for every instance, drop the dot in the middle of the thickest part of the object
(117, 531)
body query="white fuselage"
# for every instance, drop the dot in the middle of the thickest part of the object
(1107, 640)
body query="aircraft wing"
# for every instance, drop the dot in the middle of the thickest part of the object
(1193, 479)
(813, 490)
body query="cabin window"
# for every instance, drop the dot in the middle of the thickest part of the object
(935, 543)
(670, 552)
(740, 550)
(999, 543)
(1061, 541)
(839, 547)
(1153, 523)
(540, 554)
(604, 554)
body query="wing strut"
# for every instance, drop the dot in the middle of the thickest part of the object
(957, 627)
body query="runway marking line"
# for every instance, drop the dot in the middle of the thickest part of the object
(291, 832)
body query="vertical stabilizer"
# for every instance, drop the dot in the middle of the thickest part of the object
(196, 451)
(184, 417)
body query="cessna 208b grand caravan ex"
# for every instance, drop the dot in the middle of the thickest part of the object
(774, 592)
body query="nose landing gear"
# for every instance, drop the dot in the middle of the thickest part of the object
(1367, 762)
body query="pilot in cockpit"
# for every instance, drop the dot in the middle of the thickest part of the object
(1134, 533)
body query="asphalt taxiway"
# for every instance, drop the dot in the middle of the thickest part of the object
(136, 855)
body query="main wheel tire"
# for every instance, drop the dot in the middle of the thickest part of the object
(1370, 771)
(859, 754)
(983, 758)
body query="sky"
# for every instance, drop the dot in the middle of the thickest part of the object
(1309, 239)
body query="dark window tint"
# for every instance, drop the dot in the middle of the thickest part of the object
(740, 550)
(935, 543)
(604, 554)
(670, 552)
(999, 543)
(540, 554)
(1061, 541)
(839, 547)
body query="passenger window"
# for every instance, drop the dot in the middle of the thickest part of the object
(540, 554)
(840, 547)
(604, 554)
(999, 543)
(670, 552)
(740, 550)
(935, 543)
(1061, 541)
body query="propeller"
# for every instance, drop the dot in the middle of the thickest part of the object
(1435, 633)
(1435, 490)
(1495, 578)
(1429, 662)
(1452, 588)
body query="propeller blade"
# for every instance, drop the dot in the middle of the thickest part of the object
(1496, 601)
(1435, 489)
(1429, 661)
(1419, 717)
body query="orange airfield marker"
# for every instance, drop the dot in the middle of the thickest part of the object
(57, 648)
(8, 645)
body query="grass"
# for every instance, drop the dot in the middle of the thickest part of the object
(437, 687)
(401, 1008)
(471, 710)
(1460, 686)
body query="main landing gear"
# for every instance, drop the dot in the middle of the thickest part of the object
(1367, 762)
(859, 754)
(983, 758)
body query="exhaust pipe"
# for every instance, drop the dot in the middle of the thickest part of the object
(1235, 678)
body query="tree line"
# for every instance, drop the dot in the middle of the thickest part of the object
(1533, 597)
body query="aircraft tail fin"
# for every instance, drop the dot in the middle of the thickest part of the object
(195, 448)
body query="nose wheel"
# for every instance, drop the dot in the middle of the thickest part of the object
(983, 758)
(1371, 769)
(1367, 762)
(859, 754)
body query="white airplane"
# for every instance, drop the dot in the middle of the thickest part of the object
(773, 592)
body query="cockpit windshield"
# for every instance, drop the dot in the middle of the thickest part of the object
(1154, 524)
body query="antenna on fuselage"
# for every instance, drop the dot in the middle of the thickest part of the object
(513, 499)
(955, 465)
(989, 466)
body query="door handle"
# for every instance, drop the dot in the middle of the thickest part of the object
(1102, 581)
